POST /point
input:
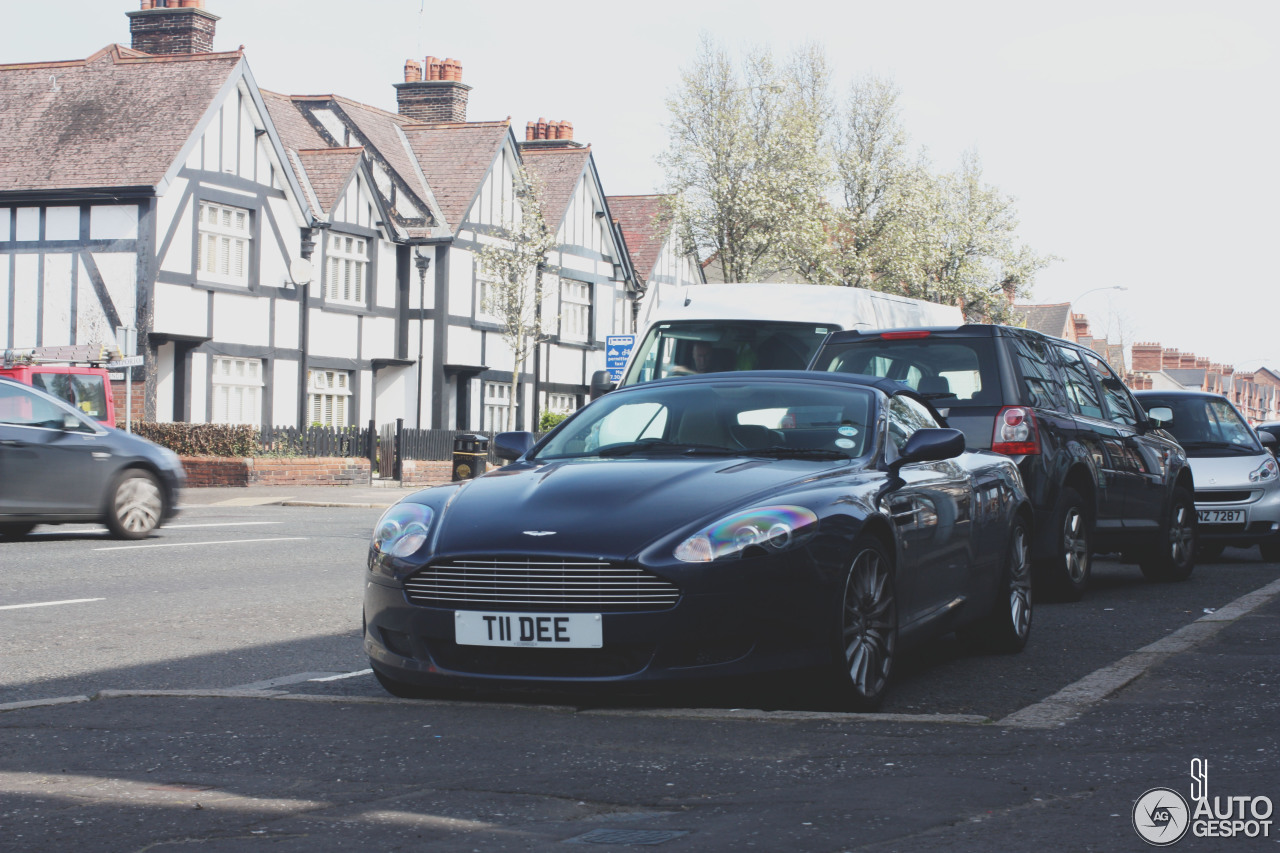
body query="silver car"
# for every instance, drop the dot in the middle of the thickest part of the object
(1237, 477)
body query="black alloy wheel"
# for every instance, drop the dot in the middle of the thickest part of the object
(1006, 629)
(1174, 556)
(868, 627)
(1065, 574)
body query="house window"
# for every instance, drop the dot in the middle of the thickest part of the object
(223, 245)
(497, 406)
(575, 310)
(485, 308)
(563, 403)
(348, 263)
(327, 393)
(237, 391)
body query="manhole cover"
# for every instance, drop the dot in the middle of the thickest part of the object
(628, 836)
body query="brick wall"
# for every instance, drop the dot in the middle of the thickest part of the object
(167, 32)
(415, 472)
(217, 471)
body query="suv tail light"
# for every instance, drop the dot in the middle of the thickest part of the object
(1016, 433)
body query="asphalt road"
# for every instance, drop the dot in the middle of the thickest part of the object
(282, 738)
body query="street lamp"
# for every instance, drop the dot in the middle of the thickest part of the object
(1096, 289)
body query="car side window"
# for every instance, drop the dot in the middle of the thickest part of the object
(1039, 378)
(1080, 389)
(1119, 404)
(905, 417)
(20, 407)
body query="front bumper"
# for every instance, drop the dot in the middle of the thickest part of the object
(767, 622)
(1262, 509)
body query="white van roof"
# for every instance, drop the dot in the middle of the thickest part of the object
(845, 307)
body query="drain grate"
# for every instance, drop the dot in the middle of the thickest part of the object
(628, 836)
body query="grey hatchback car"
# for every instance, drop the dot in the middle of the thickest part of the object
(59, 466)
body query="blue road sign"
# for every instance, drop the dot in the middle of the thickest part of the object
(617, 348)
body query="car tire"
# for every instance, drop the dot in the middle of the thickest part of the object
(136, 505)
(1174, 556)
(1006, 628)
(1270, 551)
(868, 628)
(1065, 574)
(15, 529)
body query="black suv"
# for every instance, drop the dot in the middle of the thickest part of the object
(1100, 476)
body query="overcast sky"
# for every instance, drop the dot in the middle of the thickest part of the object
(1139, 138)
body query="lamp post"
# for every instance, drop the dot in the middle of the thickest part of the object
(1095, 290)
(422, 262)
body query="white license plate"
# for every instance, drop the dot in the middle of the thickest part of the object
(529, 630)
(1223, 516)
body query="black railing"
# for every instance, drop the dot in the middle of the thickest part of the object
(315, 441)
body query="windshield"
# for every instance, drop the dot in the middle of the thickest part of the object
(86, 392)
(951, 372)
(681, 348)
(728, 418)
(1206, 426)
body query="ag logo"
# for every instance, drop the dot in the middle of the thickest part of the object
(1160, 816)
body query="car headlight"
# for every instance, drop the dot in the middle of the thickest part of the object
(402, 530)
(1265, 472)
(770, 528)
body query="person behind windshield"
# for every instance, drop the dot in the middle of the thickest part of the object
(702, 352)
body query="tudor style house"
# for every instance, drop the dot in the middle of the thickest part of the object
(290, 260)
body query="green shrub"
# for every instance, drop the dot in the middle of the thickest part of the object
(550, 420)
(187, 439)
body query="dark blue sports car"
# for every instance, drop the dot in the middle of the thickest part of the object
(700, 527)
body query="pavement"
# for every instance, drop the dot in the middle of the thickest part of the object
(381, 493)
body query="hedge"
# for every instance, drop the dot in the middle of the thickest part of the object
(187, 439)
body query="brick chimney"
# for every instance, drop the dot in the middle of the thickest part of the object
(170, 27)
(1170, 359)
(434, 96)
(1146, 357)
(549, 134)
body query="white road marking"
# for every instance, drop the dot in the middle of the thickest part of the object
(50, 603)
(190, 544)
(1075, 699)
(341, 676)
(219, 524)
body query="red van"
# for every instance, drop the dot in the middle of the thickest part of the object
(82, 382)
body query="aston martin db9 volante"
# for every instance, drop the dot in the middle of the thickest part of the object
(706, 526)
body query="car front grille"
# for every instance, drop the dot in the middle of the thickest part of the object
(545, 584)
(1208, 496)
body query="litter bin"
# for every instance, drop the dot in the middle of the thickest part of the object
(470, 456)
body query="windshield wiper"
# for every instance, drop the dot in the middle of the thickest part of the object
(778, 452)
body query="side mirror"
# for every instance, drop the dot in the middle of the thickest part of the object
(601, 383)
(1160, 415)
(1268, 440)
(512, 445)
(930, 445)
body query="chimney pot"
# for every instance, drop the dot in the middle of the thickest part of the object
(566, 130)
(457, 71)
(433, 68)
(146, 4)
(412, 71)
(530, 130)
(542, 128)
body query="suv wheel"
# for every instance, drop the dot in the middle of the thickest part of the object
(1066, 573)
(1174, 556)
